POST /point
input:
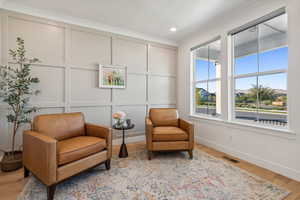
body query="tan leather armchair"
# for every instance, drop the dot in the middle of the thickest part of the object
(62, 145)
(165, 131)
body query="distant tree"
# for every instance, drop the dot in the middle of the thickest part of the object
(197, 96)
(243, 98)
(263, 93)
(282, 99)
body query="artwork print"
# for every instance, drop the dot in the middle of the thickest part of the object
(112, 76)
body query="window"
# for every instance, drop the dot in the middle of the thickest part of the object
(206, 79)
(260, 61)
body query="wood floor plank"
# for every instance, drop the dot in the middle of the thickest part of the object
(11, 184)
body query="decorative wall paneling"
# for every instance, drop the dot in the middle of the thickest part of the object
(69, 73)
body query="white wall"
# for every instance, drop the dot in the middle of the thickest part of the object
(69, 74)
(276, 150)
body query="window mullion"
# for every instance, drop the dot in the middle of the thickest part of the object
(258, 70)
(271, 72)
(207, 84)
(208, 80)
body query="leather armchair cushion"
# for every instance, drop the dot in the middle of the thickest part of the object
(169, 133)
(75, 148)
(164, 116)
(60, 126)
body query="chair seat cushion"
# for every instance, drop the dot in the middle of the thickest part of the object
(169, 133)
(75, 148)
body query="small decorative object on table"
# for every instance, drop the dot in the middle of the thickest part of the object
(119, 119)
(121, 124)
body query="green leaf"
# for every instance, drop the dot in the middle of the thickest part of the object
(11, 118)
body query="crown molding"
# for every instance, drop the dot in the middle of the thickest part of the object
(11, 6)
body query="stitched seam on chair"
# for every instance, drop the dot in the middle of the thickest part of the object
(155, 135)
(81, 148)
(47, 163)
(66, 154)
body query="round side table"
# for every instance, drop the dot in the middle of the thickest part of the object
(123, 149)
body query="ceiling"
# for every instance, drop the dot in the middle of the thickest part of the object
(152, 18)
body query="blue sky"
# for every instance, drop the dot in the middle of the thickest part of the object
(202, 70)
(269, 60)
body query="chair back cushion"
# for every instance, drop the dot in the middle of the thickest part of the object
(60, 126)
(164, 116)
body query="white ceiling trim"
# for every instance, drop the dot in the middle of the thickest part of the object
(5, 4)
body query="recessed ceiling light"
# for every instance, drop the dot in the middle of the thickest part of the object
(173, 29)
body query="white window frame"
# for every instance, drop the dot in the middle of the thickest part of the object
(194, 82)
(232, 77)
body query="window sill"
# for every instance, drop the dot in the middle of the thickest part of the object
(278, 132)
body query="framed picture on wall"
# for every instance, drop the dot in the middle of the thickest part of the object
(112, 76)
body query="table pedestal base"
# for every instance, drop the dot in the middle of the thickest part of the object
(123, 151)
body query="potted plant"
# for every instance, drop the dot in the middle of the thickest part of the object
(15, 90)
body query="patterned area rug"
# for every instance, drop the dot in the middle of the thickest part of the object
(167, 176)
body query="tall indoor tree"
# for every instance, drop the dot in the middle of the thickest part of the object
(16, 89)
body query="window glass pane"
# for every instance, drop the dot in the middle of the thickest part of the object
(246, 51)
(207, 67)
(214, 103)
(214, 58)
(201, 63)
(207, 61)
(273, 44)
(272, 92)
(201, 98)
(262, 48)
(273, 59)
(201, 69)
(246, 99)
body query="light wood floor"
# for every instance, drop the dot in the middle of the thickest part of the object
(11, 184)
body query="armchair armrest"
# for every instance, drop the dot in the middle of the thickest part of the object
(39, 156)
(189, 128)
(102, 132)
(148, 128)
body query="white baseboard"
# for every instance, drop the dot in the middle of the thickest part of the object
(275, 167)
(129, 140)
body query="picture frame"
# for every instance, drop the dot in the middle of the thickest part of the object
(112, 76)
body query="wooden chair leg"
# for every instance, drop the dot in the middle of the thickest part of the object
(26, 172)
(149, 155)
(191, 154)
(50, 192)
(107, 164)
